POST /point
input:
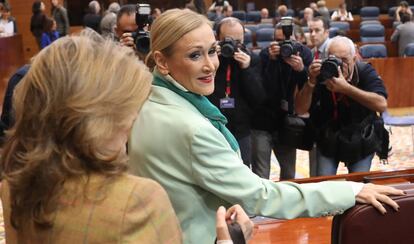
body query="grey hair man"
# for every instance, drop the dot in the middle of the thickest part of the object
(340, 105)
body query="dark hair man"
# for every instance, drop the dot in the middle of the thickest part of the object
(343, 106)
(238, 86)
(125, 25)
(280, 76)
(60, 15)
(319, 35)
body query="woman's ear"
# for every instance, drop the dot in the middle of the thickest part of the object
(161, 62)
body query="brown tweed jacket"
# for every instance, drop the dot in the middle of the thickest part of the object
(128, 209)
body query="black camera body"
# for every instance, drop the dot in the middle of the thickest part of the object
(142, 19)
(287, 47)
(229, 46)
(329, 68)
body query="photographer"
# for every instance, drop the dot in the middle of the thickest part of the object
(281, 72)
(238, 87)
(343, 96)
(130, 27)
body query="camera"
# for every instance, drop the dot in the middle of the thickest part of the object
(141, 36)
(287, 47)
(229, 46)
(329, 68)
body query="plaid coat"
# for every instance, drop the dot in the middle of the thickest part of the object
(128, 209)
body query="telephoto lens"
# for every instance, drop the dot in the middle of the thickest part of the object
(329, 68)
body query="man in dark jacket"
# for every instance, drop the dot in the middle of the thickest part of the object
(60, 15)
(343, 108)
(280, 77)
(237, 83)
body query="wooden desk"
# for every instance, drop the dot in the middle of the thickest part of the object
(11, 58)
(397, 74)
(312, 230)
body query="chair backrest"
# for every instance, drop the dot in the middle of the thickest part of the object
(264, 36)
(252, 28)
(333, 31)
(369, 13)
(342, 25)
(253, 16)
(290, 12)
(372, 22)
(373, 51)
(372, 33)
(409, 50)
(239, 14)
(363, 224)
(391, 11)
(248, 38)
(264, 25)
(301, 13)
(211, 16)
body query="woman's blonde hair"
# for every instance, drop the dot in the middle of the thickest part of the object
(169, 27)
(78, 93)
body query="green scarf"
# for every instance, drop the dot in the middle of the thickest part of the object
(205, 107)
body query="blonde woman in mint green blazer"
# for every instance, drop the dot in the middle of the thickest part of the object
(180, 141)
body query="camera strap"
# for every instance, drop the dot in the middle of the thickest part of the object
(228, 81)
(335, 100)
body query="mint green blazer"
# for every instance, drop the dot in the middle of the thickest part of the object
(174, 144)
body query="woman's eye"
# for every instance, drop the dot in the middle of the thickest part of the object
(194, 55)
(212, 51)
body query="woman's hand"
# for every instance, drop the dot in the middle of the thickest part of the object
(236, 214)
(376, 195)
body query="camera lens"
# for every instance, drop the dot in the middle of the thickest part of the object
(142, 44)
(329, 68)
(227, 50)
(286, 50)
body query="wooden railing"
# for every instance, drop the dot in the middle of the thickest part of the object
(318, 230)
(11, 58)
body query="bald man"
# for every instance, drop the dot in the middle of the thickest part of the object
(343, 105)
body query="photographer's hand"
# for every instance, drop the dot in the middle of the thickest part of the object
(218, 49)
(243, 59)
(127, 40)
(338, 84)
(233, 214)
(274, 50)
(314, 70)
(296, 62)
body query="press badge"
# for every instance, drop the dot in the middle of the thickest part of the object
(227, 102)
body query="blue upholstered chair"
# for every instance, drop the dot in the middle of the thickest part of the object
(264, 36)
(240, 14)
(248, 39)
(409, 50)
(372, 33)
(264, 25)
(252, 28)
(369, 13)
(211, 16)
(333, 31)
(253, 17)
(372, 22)
(341, 25)
(391, 11)
(373, 51)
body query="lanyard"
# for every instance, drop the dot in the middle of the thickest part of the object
(335, 102)
(228, 81)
